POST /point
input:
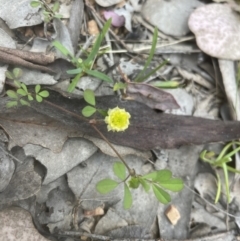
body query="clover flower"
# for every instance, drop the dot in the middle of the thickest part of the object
(117, 119)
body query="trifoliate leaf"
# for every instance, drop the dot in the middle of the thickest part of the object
(30, 97)
(44, 93)
(22, 92)
(174, 184)
(17, 73)
(127, 200)
(11, 104)
(37, 88)
(17, 83)
(24, 87)
(161, 195)
(12, 94)
(35, 4)
(24, 102)
(119, 170)
(159, 175)
(151, 175)
(134, 182)
(87, 111)
(145, 184)
(106, 186)
(89, 97)
(9, 75)
(163, 175)
(39, 98)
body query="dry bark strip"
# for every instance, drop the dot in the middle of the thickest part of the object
(8, 58)
(148, 129)
(39, 58)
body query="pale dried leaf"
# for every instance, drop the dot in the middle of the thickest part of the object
(151, 96)
(17, 224)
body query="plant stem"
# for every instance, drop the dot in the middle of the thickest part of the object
(131, 171)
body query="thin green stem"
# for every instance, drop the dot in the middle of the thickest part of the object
(130, 171)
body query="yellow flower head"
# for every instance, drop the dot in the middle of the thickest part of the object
(117, 119)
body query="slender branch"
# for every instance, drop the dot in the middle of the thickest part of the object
(131, 171)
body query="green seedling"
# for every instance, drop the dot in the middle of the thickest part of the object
(90, 109)
(157, 181)
(142, 74)
(84, 66)
(221, 161)
(22, 95)
(49, 12)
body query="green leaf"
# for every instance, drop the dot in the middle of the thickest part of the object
(161, 195)
(225, 171)
(39, 98)
(74, 71)
(47, 19)
(30, 97)
(24, 102)
(9, 75)
(56, 15)
(106, 186)
(75, 80)
(97, 43)
(37, 88)
(163, 175)
(44, 93)
(144, 77)
(219, 187)
(174, 184)
(61, 48)
(12, 94)
(119, 86)
(89, 97)
(56, 7)
(35, 4)
(145, 184)
(17, 72)
(119, 170)
(151, 54)
(88, 110)
(22, 92)
(98, 75)
(127, 200)
(166, 84)
(17, 83)
(134, 182)
(11, 104)
(104, 113)
(24, 87)
(159, 175)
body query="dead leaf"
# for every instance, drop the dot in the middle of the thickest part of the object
(24, 183)
(27, 126)
(16, 224)
(151, 96)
